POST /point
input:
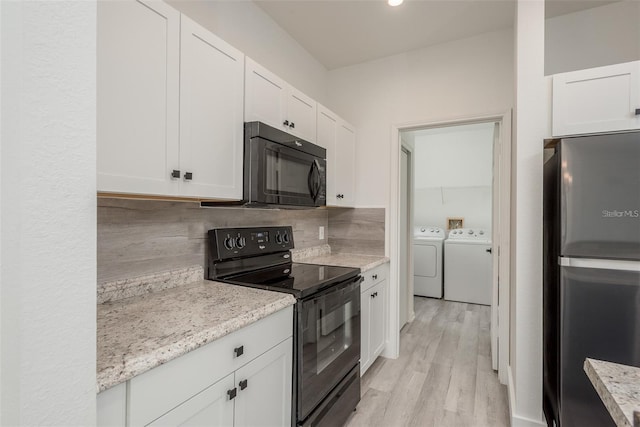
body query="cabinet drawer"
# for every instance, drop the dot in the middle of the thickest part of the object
(373, 276)
(164, 387)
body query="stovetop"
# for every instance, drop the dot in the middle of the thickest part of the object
(300, 280)
(260, 257)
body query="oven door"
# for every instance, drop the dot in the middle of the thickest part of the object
(282, 175)
(328, 342)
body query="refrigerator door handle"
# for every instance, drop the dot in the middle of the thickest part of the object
(602, 264)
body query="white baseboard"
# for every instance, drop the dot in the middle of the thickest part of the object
(518, 420)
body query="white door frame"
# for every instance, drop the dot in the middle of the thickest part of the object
(411, 314)
(502, 237)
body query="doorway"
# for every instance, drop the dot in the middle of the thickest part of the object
(496, 197)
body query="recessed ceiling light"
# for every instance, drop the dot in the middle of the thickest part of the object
(395, 2)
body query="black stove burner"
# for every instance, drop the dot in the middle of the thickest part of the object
(298, 279)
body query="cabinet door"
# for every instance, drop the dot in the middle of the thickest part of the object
(602, 99)
(301, 114)
(210, 407)
(378, 303)
(211, 114)
(137, 95)
(345, 164)
(265, 96)
(111, 406)
(326, 137)
(365, 327)
(264, 388)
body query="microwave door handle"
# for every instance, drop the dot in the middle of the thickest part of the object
(314, 180)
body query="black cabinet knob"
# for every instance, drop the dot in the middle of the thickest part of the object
(286, 123)
(292, 125)
(232, 393)
(243, 384)
(374, 277)
(188, 176)
(637, 111)
(238, 351)
(489, 250)
(175, 173)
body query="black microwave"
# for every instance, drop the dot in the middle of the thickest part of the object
(281, 170)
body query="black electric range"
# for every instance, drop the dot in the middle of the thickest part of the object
(326, 324)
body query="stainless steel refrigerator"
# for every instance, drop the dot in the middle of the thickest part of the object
(591, 293)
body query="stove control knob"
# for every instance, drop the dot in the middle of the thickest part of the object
(285, 238)
(470, 231)
(422, 230)
(241, 242)
(481, 232)
(229, 243)
(279, 239)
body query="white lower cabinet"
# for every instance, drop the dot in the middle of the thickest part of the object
(209, 407)
(257, 394)
(241, 379)
(112, 406)
(373, 306)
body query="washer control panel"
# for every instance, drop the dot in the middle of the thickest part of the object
(425, 231)
(469, 234)
(227, 243)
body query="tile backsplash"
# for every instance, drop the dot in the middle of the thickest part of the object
(357, 231)
(138, 237)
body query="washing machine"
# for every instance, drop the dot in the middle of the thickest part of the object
(427, 261)
(467, 266)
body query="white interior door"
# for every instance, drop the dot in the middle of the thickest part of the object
(404, 255)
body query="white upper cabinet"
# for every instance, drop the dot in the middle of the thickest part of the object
(603, 99)
(211, 114)
(170, 105)
(338, 138)
(138, 93)
(345, 164)
(301, 114)
(271, 100)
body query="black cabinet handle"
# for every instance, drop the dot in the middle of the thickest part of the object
(292, 125)
(637, 111)
(238, 351)
(232, 393)
(489, 250)
(340, 196)
(375, 294)
(188, 176)
(286, 123)
(374, 277)
(175, 173)
(243, 384)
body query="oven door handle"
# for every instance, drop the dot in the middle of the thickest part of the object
(340, 287)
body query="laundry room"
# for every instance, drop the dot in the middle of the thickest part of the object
(452, 211)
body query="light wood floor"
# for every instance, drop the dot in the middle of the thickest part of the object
(443, 376)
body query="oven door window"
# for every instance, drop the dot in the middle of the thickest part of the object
(329, 342)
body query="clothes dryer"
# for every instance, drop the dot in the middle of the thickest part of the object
(427, 261)
(467, 266)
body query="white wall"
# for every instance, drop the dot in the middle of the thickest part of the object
(594, 37)
(247, 27)
(454, 175)
(465, 78)
(526, 282)
(48, 240)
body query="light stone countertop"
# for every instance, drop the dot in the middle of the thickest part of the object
(139, 333)
(363, 262)
(619, 388)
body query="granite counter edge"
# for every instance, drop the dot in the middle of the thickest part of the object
(113, 376)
